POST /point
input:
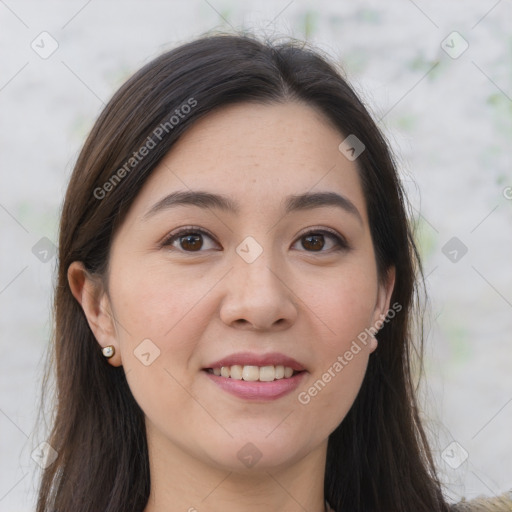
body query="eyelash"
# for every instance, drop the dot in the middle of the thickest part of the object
(341, 243)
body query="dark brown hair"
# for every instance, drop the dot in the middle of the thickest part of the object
(377, 458)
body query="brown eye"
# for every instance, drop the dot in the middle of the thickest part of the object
(315, 241)
(192, 242)
(188, 240)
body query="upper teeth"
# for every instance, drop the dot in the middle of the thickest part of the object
(252, 373)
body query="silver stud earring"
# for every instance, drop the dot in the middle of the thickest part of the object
(109, 351)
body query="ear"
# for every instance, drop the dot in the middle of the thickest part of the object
(90, 294)
(384, 293)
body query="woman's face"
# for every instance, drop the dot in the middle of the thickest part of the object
(277, 274)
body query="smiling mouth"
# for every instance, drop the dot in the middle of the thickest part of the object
(254, 373)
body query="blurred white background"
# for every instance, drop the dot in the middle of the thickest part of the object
(436, 75)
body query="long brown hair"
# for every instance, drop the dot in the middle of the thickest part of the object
(378, 458)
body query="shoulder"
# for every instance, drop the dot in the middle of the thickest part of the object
(501, 503)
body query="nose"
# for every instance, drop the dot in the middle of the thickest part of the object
(258, 297)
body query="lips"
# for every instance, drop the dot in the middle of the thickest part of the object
(271, 385)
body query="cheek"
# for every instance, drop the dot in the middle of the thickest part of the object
(344, 303)
(158, 304)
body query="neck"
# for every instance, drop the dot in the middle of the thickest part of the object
(181, 482)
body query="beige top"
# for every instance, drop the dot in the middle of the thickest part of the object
(501, 503)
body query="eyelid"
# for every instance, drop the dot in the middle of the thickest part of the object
(323, 230)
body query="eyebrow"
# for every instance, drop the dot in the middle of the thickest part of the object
(203, 199)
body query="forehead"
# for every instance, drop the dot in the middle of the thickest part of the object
(257, 154)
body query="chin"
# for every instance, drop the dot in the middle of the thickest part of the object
(244, 456)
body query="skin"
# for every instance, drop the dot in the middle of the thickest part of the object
(199, 306)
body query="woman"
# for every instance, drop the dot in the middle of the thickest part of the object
(235, 297)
